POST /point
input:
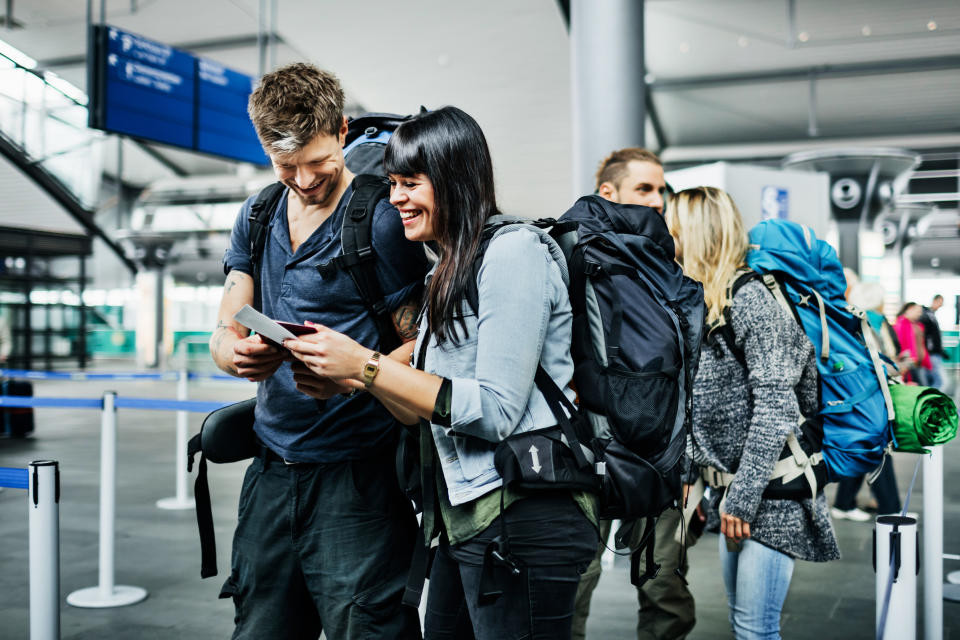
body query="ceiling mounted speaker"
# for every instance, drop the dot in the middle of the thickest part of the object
(846, 193)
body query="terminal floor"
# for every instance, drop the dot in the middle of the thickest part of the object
(159, 551)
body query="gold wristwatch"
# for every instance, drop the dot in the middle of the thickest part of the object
(371, 368)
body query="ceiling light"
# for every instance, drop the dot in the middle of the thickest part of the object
(866, 30)
(742, 41)
(684, 47)
(803, 36)
(932, 26)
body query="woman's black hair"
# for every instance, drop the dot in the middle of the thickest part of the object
(904, 308)
(448, 146)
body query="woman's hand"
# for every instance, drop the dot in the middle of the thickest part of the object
(734, 528)
(330, 354)
(319, 387)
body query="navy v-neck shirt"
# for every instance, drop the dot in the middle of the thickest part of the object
(289, 422)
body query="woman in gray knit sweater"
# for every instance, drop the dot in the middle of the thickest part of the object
(742, 416)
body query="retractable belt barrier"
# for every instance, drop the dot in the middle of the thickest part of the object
(106, 593)
(42, 482)
(182, 498)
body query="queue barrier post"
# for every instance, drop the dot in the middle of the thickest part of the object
(43, 499)
(895, 552)
(933, 544)
(181, 500)
(106, 593)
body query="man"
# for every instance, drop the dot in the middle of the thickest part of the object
(635, 176)
(931, 329)
(324, 536)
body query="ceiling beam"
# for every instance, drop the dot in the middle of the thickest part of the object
(662, 141)
(564, 6)
(797, 74)
(197, 46)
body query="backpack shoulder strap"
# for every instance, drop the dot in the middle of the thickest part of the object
(563, 232)
(357, 257)
(725, 330)
(261, 211)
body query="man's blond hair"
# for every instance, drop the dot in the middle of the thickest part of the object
(613, 168)
(293, 105)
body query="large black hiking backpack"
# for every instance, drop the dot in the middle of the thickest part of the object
(637, 326)
(227, 434)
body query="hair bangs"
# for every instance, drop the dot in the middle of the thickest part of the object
(404, 155)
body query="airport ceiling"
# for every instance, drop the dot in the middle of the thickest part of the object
(728, 78)
(722, 72)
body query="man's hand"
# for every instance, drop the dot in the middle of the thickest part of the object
(256, 360)
(318, 387)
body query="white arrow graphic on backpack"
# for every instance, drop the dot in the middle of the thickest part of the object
(536, 459)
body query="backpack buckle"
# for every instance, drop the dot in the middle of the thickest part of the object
(358, 213)
(327, 269)
(591, 269)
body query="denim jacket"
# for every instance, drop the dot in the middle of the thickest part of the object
(524, 319)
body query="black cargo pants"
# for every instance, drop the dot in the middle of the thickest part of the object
(322, 547)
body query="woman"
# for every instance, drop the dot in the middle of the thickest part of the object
(743, 413)
(913, 341)
(476, 387)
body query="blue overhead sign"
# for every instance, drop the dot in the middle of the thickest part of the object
(152, 91)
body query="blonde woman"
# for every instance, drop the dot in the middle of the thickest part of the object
(743, 413)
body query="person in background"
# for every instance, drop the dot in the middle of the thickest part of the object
(869, 297)
(667, 609)
(743, 413)
(6, 340)
(913, 342)
(934, 342)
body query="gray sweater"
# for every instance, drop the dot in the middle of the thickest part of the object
(741, 419)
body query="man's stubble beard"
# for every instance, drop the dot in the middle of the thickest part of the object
(322, 200)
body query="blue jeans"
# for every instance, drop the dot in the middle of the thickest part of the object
(936, 376)
(757, 579)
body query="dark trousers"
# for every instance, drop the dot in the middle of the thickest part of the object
(884, 490)
(552, 552)
(667, 609)
(322, 547)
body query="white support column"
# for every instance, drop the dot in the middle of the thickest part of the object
(43, 497)
(933, 544)
(895, 549)
(182, 500)
(608, 84)
(106, 593)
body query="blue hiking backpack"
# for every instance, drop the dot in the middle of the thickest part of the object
(804, 274)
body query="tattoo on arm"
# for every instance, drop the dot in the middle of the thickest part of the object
(405, 320)
(231, 283)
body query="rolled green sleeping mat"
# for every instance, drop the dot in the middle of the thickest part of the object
(925, 417)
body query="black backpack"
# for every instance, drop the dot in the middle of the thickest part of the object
(227, 434)
(637, 327)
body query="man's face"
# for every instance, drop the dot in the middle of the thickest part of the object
(314, 172)
(936, 304)
(644, 184)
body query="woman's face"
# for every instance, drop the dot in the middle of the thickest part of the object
(413, 197)
(913, 313)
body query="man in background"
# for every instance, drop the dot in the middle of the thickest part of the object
(931, 329)
(635, 176)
